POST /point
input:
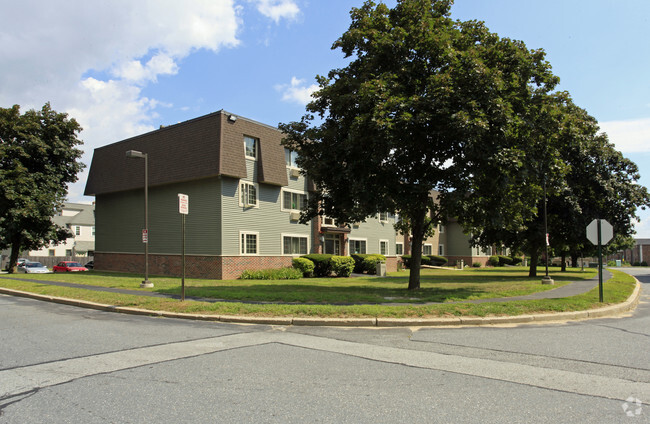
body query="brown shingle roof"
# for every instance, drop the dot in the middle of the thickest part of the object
(207, 146)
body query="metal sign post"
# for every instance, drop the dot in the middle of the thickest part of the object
(183, 209)
(600, 232)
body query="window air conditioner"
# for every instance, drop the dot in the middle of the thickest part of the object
(294, 216)
(295, 172)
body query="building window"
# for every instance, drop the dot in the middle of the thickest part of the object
(427, 249)
(383, 216)
(250, 147)
(357, 247)
(294, 245)
(399, 248)
(248, 243)
(290, 158)
(68, 252)
(328, 222)
(293, 200)
(93, 230)
(383, 247)
(332, 244)
(441, 250)
(247, 194)
(441, 229)
(77, 230)
(51, 252)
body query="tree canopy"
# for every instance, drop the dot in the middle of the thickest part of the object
(425, 103)
(38, 158)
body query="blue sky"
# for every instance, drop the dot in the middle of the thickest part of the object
(125, 67)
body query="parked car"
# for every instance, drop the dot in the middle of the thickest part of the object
(69, 266)
(21, 261)
(90, 265)
(33, 268)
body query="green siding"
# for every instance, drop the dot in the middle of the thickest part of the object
(120, 219)
(268, 220)
(457, 241)
(372, 230)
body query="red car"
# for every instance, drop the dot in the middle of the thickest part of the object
(69, 266)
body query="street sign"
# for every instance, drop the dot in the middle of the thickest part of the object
(145, 236)
(606, 232)
(183, 203)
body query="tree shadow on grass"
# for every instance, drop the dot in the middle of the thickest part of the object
(309, 294)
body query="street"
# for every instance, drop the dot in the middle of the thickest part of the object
(65, 364)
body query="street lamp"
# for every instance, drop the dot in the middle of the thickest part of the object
(137, 154)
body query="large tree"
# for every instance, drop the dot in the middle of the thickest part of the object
(425, 103)
(38, 158)
(581, 177)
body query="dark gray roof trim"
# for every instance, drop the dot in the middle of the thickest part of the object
(208, 146)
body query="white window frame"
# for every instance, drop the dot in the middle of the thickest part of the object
(291, 163)
(430, 246)
(243, 245)
(286, 190)
(323, 224)
(441, 250)
(387, 253)
(282, 236)
(441, 229)
(379, 216)
(401, 247)
(351, 240)
(77, 230)
(255, 147)
(257, 194)
(93, 231)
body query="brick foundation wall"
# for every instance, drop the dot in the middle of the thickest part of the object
(214, 267)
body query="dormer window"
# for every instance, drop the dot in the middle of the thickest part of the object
(290, 158)
(250, 147)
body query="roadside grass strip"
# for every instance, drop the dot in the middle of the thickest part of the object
(342, 298)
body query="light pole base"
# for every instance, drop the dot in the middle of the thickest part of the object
(146, 284)
(547, 280)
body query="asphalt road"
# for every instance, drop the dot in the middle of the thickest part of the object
(70, 365)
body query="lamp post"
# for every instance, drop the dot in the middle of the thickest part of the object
(137, 154)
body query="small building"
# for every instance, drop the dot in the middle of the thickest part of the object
(79, 219)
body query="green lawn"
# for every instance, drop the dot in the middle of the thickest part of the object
(344, 297)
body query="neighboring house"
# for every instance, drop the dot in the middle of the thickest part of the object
(245, 195)
(79, 219)
(639, 253)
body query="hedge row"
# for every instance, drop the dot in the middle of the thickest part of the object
(502, 260)
(433, 260)
(271, 274)
(367, 262)
(325, 265)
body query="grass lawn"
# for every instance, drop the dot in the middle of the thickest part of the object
(343, 297)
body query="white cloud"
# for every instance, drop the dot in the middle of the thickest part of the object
(278, 9)
(629, 136)
(297, 91)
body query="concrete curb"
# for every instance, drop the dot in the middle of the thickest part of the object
(607, 311)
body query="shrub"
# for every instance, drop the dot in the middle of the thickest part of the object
(504, 260)
(304, 265)
(406, 260)
(644, 263)
(322, 264)
(425, 260)
(476, 265)
(342, 266)
(611, 263)
(516, 260)
(367, 262)
(272, 274)
(493, 260)
(436, 260)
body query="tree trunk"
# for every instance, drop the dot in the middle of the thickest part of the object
(563, 262)
(574, 260)
(13, 257)
(534, 259)
(417, 232)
